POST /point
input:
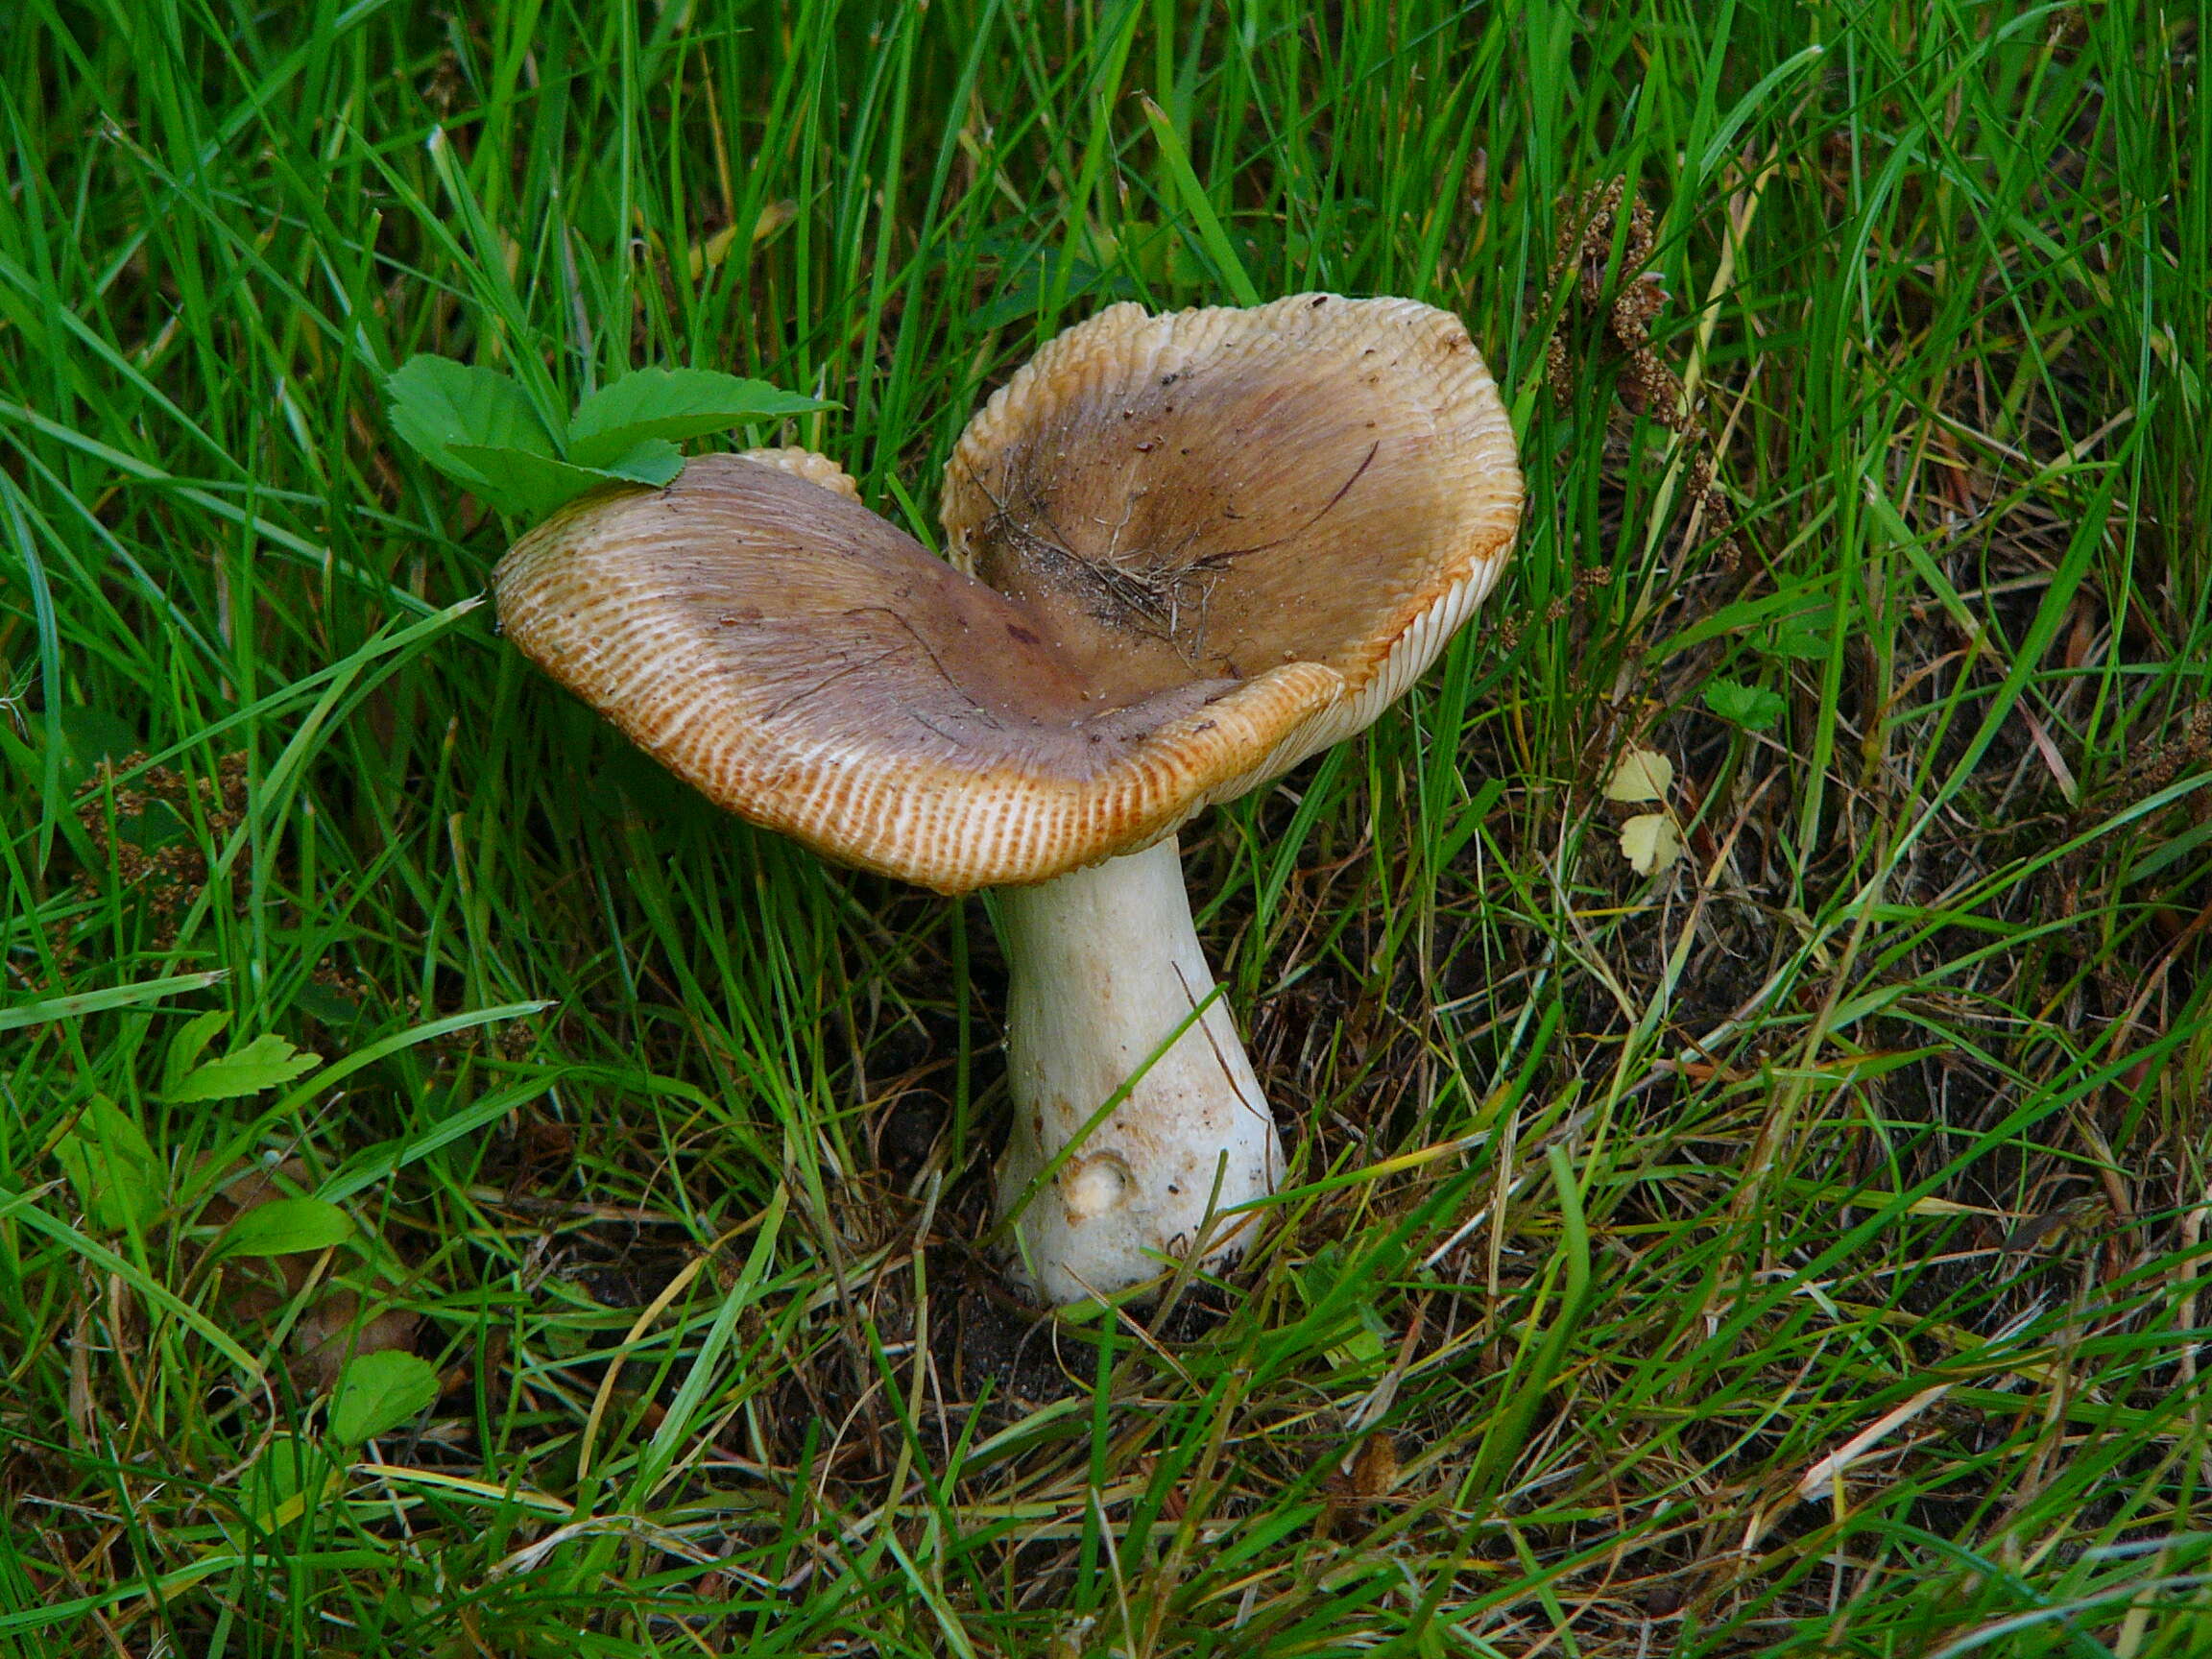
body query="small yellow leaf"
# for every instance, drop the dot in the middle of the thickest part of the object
(773, 218)
(1642, 775)
(1649, 843)
(710, 257)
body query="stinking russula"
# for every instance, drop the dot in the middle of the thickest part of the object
(1187, 552)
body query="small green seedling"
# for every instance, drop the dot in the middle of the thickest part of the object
(267, 1062)
(377, 1393)
(107, 1159)
(1803, 636)
(1750, 707)
(286, 1226)
(477, 426)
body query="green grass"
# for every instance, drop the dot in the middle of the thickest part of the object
(1618, 1204)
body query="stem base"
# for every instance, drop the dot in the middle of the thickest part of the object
(1104, 966)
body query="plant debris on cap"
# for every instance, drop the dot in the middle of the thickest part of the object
(1191, 550)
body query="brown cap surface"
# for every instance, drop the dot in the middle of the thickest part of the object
(1209, 544)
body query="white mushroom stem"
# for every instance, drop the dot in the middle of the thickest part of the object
(1104, 969)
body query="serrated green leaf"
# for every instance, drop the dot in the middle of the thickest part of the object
(285, 1227)
(532, 485)
(377, 1393)
(1803, 636)
(673, 404)
(188, 1045)
(442, 407)
(111, 1166)
(1750, 707)
(426, 445)
(460, 403)
(264, 1063)
(655, 461)
(537, 484)
(1804, 645)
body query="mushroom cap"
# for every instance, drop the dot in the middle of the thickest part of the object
(1190, 550)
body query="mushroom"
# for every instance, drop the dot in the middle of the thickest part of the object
(1187, 551)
